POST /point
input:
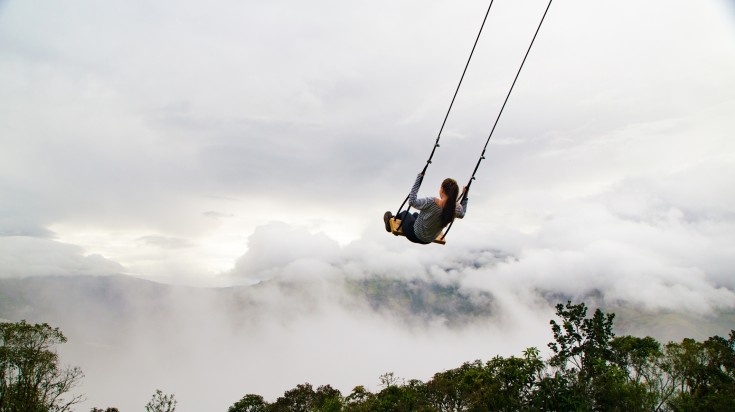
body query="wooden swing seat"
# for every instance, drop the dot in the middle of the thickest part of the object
(398, 231)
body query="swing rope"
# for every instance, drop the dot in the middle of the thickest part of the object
(482, 155)
(436, 144)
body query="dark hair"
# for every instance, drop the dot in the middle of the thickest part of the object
(451, 189)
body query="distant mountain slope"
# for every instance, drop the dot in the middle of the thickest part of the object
(87, 304)
(422, 299)
(54, 298)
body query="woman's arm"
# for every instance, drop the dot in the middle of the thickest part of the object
(413, 199)
(461, 208)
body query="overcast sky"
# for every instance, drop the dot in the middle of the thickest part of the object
(154, 139)
(229, 142)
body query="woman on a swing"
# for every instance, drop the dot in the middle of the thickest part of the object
(436, 212)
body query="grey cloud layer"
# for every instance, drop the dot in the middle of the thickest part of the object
(23, 256)
(130, 116)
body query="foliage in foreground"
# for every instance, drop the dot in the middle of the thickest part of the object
(31, 379)
(161, 402)
(590, 369)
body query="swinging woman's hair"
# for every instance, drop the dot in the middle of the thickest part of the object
(451, 189)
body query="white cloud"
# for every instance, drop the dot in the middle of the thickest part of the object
(165, 242)
(661, 259)
(277, 245)
(22, 256)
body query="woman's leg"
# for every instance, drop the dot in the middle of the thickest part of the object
(408, 220)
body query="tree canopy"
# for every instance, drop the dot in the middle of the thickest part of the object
(31, 379)
(590, 369)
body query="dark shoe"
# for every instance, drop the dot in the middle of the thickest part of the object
(386, 219)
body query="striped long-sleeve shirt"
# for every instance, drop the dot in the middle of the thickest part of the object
(429, 224)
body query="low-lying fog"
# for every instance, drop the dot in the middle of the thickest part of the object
(310, 310)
